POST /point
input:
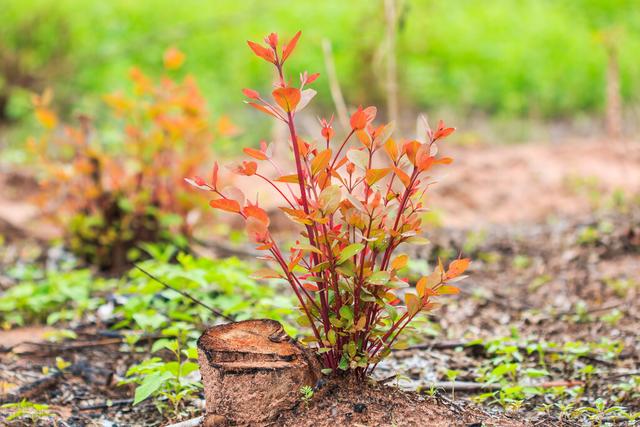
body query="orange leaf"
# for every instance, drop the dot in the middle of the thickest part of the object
(46, 117)
(225, 204)
(391, 149)
(257, 213)
(321, 161)
(287, 97)
(414, 304)
(375, 175)
(457, 267)
(448, 290)
(411, 148)
(256, 154)
(288, 48)
(173, 58)
(262, 108)
(444, 161)
(423, 159)
(399, 262)
(404, 177)
(247, 168)
(310, 286)
(293, 179)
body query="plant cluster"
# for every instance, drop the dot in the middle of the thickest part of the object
(26, 410)
(357, 200)
(111, 190)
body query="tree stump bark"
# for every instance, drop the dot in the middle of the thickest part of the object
(252, 371)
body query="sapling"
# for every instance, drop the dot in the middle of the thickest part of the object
(356, 199)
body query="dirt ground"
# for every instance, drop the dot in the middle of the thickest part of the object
(554, 232)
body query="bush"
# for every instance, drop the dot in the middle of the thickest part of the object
(111, 191)
(356, 205)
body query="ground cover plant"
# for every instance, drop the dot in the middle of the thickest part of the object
(112, 191)
(357, 201)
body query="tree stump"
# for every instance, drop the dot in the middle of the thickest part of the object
(252, 371)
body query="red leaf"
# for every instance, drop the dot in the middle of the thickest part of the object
(288, 48)
(312, 78)
(287, 97)
(250, 93)
(261, 51)
(225, 205)
(310, 286)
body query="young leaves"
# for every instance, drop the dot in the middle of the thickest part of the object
(287, 98)
(288, 48)
(225, 205)
(262, 52)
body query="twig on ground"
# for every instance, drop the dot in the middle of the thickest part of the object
(186, 295)
(35, 388)
(106, 404)
(193, 422)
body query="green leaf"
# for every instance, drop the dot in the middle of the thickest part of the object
(346, 312)
(344, 363)
(331, 337)
(379, 278)
(350, 251)
(150, 385)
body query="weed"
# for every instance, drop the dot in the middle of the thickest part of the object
(32, 412)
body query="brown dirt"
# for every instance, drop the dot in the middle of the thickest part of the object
(531, 182)
(348, 403)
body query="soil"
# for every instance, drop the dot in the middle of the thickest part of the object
(349, 403)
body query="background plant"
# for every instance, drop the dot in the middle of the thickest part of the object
(455, 59)
(113, 190)
(356, 201)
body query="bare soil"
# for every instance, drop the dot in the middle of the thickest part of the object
(348, 403)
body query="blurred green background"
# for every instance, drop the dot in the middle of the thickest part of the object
(510, 66)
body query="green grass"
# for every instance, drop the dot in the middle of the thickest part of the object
(536, 59)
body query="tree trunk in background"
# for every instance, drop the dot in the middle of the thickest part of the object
(613, 107)
(334, 85)
(391, 17)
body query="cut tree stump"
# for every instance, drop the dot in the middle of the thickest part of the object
(252, 371)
